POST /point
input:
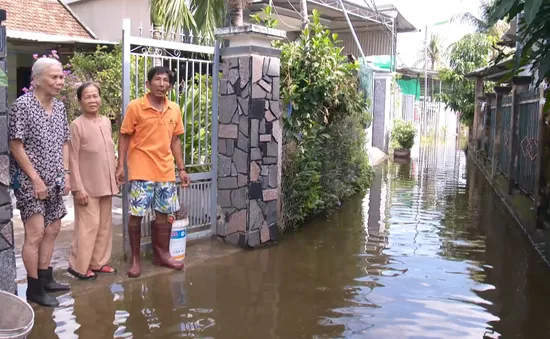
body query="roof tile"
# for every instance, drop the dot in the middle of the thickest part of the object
(43, 16)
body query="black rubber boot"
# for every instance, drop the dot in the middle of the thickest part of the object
(51, 285)
(37, 294)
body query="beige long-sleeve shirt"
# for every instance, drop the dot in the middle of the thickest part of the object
(92, 157)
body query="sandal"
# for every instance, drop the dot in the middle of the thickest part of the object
(89, 275)
(105, 269)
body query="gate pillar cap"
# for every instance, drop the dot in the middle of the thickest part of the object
(522, 80)
(502, 89)
(250, 35)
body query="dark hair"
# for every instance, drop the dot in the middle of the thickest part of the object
(160, 70)
(85, 85)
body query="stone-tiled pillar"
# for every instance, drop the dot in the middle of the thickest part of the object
(7, 254)
(249, 136)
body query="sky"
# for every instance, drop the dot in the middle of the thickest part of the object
(428, 12)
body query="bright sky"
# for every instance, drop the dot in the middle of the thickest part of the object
(429, 12)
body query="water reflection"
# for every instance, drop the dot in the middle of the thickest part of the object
(428, 253)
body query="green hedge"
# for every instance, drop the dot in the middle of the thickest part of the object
(325, 157)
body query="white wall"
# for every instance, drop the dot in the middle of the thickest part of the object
(104, 17)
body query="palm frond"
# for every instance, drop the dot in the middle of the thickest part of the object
(478, 24)
(209, 15)
(173, 15)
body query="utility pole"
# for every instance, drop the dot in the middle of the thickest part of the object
(303, 14)
(425, 81)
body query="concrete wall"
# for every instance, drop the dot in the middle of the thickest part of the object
(381, 111)
(104, 17)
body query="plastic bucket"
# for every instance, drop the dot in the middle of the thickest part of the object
(178, 239)
(16, 317)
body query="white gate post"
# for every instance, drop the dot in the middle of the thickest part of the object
(126, 26)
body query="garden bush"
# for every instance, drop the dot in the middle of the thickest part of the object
(324, 137)
(104, 66)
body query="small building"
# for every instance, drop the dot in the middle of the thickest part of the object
(38, 27)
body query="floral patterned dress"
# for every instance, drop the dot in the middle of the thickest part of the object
(43, 136)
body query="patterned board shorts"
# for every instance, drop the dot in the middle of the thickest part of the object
(162, 196)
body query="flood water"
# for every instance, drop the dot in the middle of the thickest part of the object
(430, 252)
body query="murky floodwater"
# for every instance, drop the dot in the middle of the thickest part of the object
(429, 253)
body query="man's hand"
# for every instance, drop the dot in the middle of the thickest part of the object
(67, 188)
(119, 175)
(39, 188)
(81, 198)
(185, 181)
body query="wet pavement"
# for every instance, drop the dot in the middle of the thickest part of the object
(429, 253)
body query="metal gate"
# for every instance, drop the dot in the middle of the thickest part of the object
(195, 63)
(528, 140)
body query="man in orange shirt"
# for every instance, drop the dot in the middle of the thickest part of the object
(150, 137)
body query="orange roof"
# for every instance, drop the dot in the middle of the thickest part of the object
(44, 16)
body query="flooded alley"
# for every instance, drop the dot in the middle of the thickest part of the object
(430, 252)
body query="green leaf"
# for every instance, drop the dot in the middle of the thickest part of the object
(3, 79)
(544, 66)
(531, 10)
(501, 10)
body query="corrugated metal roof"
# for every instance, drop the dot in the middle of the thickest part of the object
(390, 10)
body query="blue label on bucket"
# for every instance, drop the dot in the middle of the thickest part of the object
(178, 234)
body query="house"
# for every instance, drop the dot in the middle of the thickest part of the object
(104, 17)
(376, 28)
(38, 28)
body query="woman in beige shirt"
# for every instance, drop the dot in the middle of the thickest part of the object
(92, 165)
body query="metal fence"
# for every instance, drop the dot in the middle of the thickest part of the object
(195, 90)
(493, 129)
(528, 128)
(505, 138)
(523, 152)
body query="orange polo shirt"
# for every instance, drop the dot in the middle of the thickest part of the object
(149, 155)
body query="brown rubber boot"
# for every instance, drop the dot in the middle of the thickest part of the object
(134, 235)
(160, 236)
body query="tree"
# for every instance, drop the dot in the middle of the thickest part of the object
(434, 55)
(197, 16)
(533, 36)
(482, 24)
(468, 54)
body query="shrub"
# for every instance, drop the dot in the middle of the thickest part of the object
(324, 138)
(403, 134)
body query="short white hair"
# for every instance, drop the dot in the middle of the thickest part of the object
(41, 64)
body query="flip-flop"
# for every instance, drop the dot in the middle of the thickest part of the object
(106, 269)
(81, 276)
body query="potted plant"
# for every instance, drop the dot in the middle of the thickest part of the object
(402, 137)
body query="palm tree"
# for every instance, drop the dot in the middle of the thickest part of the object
(434, 53)
(481, 24)
(201, 17)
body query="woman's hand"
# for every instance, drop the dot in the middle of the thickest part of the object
(119, 175)
(81, 198)
(39, 188)
(67, 188)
